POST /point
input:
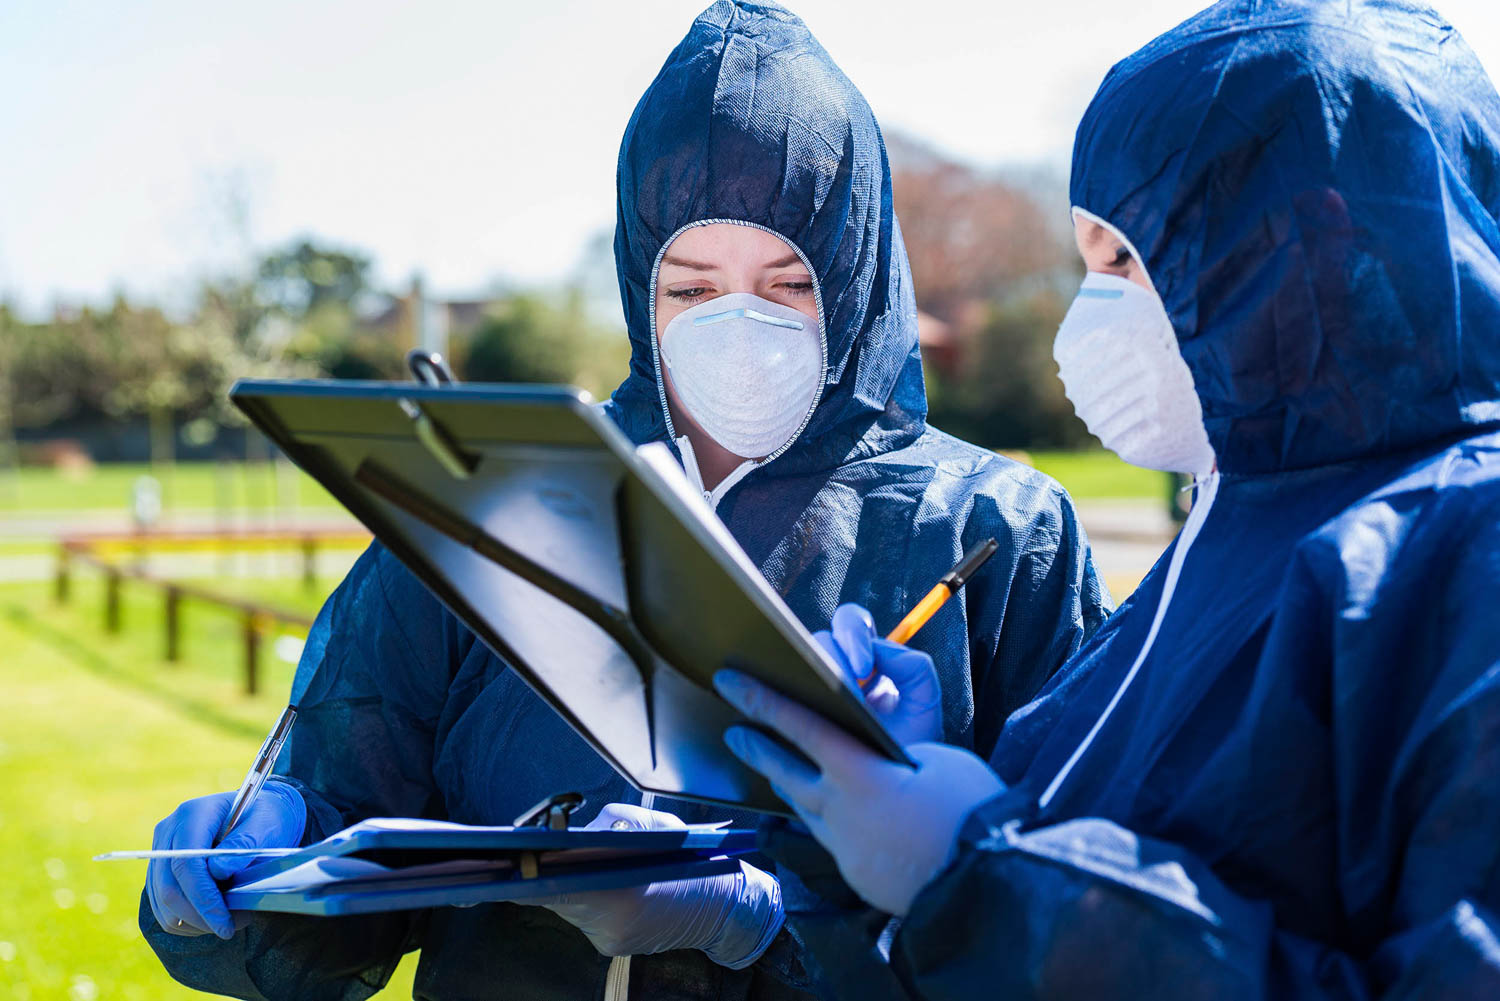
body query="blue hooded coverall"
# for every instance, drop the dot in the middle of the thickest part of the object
(1299, 794)
(404, 713)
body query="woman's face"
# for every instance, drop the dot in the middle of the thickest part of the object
(1106, 253)
(706, 262)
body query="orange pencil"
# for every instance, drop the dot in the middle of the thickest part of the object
(945, 589)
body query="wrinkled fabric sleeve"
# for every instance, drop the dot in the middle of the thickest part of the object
(1086, 908)
(370, 689)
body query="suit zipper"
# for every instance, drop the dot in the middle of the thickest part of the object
(617, 983)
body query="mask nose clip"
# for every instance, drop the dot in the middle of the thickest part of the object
(748, 314)
(1100, 293)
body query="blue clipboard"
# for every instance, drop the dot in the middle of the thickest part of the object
(471, 865)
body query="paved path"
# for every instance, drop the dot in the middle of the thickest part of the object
(187, 566)
(1127, 537)
(29, 528)
(44, 526)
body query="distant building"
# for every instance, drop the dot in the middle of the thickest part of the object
(393, 317)
(939, 342)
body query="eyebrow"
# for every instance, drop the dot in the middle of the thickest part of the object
(1097, 235)
(682, 262)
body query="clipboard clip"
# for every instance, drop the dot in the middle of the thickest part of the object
(551, 813)
(429, 369)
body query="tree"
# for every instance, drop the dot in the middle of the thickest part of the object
(988, 261)
(307, 293)
(9, 343)
(303, 277)
(970, 236)
(529, 339)
(1007, 394)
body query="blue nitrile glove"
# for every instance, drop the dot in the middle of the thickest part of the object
(902, 684)
(183, 892)
(890, 828)
(732, 917)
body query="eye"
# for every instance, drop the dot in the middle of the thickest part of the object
(1122, 258)
(796, 289)
(686, 294)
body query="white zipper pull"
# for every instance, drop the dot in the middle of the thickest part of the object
(617, 981)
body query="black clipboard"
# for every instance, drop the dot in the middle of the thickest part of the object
(589, 565)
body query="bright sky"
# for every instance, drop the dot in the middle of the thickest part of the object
(472, 141)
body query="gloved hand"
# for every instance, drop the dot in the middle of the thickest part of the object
(184, 895)
(902, 687)
(890, 828)
(732, 917)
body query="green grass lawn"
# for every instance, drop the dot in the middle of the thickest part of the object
(99, 739)
(1100, 475)
(1095, 475)
(239, 486)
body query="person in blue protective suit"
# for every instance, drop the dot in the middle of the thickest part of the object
(754, 195)
(1272, 774)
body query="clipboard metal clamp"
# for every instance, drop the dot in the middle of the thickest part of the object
(429, 369)
(551, 813)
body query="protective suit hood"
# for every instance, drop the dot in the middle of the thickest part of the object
(750, 121)
(1314, 188)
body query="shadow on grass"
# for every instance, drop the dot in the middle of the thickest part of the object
(98, 664)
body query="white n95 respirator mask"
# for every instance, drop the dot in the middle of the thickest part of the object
(1118, 357)
(748, 370)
